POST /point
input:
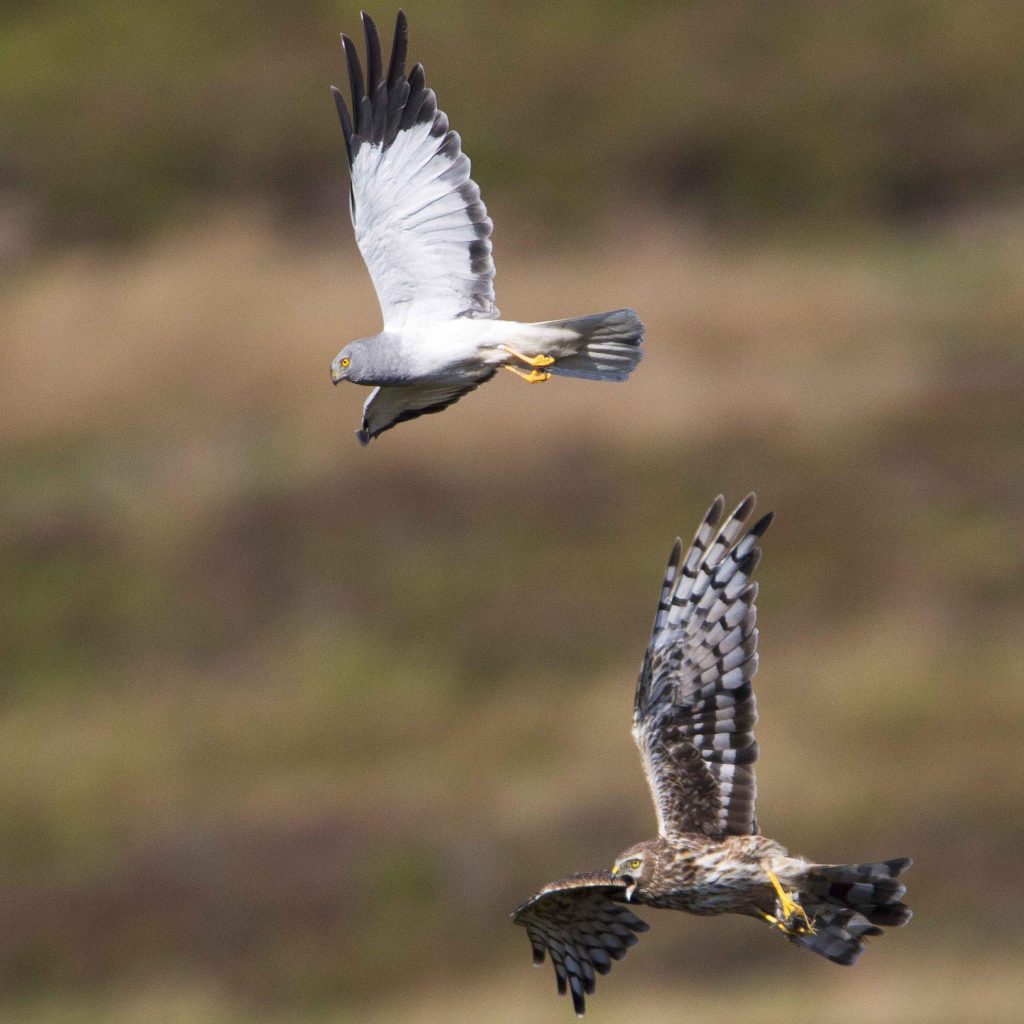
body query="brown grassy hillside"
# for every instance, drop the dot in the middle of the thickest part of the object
(288, 726)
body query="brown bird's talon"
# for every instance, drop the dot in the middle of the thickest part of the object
(792, 918)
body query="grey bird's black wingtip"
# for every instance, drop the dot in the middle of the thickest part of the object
(385, 102)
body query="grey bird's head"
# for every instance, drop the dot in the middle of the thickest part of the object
(351, 363)
(633, 865)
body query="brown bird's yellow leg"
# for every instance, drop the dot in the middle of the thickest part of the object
(534, 361)
(533, 377)
(788, 926)
(794, 918)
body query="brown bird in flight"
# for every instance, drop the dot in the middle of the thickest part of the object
(693, 720)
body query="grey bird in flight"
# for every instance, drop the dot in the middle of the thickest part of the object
(424, 233)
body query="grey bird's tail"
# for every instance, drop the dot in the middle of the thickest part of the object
(849, 903)
(609, 345)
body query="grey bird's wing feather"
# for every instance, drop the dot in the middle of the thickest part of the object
(419, 220)
(695, 711)
(583, 924)
(388, 406)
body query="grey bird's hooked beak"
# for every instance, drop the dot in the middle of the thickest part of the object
(337, 374)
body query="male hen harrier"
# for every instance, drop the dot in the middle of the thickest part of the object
(693, 721)
(426, 238)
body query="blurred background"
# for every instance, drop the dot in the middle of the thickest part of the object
(288, 727)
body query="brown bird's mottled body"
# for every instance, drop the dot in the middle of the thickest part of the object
(704, 877)
(693, 720)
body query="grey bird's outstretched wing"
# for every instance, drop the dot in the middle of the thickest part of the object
(694, 712)
(419, 220)
(583, 924)
(388, 406)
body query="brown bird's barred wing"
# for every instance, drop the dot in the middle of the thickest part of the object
(695, 711)
(583, 923)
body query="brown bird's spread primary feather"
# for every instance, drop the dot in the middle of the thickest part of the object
(693, 720)
(582, 922)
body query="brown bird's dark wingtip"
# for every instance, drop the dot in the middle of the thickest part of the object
(746, 506)
(762, 524)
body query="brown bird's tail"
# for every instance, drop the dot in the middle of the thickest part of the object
(851, 902)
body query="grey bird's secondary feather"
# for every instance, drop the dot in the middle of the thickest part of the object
(694, 714)
(425, 236)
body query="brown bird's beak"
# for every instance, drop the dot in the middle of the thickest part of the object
(626, 878)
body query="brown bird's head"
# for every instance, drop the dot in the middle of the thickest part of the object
(634, 865)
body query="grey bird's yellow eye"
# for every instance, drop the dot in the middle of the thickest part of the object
(345, 361)
(634, 864)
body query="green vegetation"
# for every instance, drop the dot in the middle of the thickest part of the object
(120, 118)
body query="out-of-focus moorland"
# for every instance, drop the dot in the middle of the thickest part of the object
(288, 727)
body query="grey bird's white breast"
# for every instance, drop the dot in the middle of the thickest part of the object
(450, 349)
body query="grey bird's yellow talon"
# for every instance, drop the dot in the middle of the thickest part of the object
(534, 361)
(533, 377)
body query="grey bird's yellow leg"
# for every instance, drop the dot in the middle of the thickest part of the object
(792, 919)
(533, 377)
(534, 361)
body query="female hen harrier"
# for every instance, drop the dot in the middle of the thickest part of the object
(692, 720)
(426, 238)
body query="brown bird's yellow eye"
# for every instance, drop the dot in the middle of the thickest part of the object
(345, 362)
(634, 864)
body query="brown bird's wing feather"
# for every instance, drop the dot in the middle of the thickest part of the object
(695, 711)
(583, 924)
